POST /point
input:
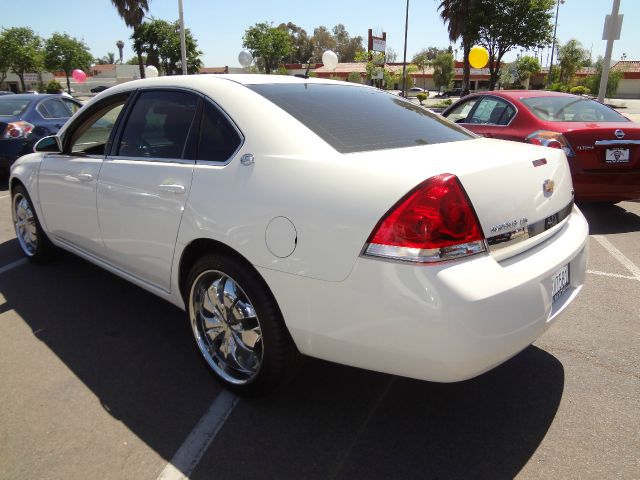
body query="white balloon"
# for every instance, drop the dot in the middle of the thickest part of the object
(245, 58)
(150, 71)
(330, 60)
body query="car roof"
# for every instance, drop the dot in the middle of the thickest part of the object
(32, 96)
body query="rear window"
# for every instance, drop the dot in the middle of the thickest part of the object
(571, 109)
(10, 107)
(355, 119)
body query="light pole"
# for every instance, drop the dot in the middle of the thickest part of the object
(613, 25)
(553, 44)
(183, 44)
(404, 58)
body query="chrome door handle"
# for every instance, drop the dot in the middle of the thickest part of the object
(172, 188)
(85, 177)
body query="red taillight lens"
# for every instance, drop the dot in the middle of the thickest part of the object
(17, 130)
(547, 138)
(433, 222)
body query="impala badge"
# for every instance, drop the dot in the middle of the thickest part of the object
(548, 186)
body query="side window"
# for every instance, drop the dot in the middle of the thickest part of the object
(72, 106)
(218, 139)
(459, 114)
(92, 135)
(158, 125)
(492, 111)
(53, 108)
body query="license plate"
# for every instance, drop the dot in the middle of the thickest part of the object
(617, 155)
(560, 282)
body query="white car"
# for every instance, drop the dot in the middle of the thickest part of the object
(291, 216)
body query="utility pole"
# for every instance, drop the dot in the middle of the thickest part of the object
(404, 58)
(183, 43)
(553, 44)
(612, 28)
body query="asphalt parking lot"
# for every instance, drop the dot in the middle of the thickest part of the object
(99, 379)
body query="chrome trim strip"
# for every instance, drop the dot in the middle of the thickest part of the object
(508, 239)
(417, 255)
(603, 143)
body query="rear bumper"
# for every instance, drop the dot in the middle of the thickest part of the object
(441, 323)
(12, 149)
(606, 186)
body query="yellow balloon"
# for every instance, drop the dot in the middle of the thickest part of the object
(478, 57)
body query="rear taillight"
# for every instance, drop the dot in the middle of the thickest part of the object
(17, 130)
(547, 138)
(433, 222)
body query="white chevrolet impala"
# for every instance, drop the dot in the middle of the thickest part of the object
(294, 216)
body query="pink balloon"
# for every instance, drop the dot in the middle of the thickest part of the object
(79, 76)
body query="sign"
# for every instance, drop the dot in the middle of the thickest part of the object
(474, 71)
(30, 77)
(379, 45)
(612, 27)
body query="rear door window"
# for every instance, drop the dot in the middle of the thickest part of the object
(53, 108)
(158, 125)
(492, 111)
(218, 137)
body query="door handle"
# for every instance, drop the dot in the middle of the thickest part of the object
(85, 177)
(172, 188)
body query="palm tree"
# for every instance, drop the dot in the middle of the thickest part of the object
(120, 45)
(133, 12)
(458, 14)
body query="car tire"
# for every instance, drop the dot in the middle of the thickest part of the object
(238, 327)
(32, 239)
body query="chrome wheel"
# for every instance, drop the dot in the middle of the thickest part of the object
(226, 327)
(25, 224)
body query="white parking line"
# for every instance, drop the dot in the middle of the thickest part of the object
(618, 255)
(13, 265)
(615, 275)
(191, 451)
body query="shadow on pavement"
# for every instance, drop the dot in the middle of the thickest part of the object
(607, 219)
(135, 353)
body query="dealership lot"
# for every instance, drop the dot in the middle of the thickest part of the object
(99, 379)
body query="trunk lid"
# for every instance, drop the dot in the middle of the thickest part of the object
(604, 146)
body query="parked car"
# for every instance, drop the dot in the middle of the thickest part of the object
(413, 91)
(603, 146)
(294, 216)
(6, 92)
(99, 88)
(26, 118)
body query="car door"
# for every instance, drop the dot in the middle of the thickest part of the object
(144, 184)
(490, 117)
(67, 182)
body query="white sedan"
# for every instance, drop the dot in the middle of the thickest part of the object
(296, 216)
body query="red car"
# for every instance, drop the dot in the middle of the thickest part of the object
(602, 146)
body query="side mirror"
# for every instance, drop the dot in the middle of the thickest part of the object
(49, 144)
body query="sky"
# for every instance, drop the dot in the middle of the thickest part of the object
(219, 26)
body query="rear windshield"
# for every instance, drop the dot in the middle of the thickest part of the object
(355, 119)
(571, 109)
(10, 107)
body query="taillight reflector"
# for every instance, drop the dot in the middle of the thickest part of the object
(433, 222)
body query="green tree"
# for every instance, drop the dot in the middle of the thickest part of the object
(507, 24)
(354, 77)
(62, 52)
(525, 67)
(390, 55)
(322, 41)
(301, 44)
(443, 71)
(463, 19)
(592, 82)
(159, 40)
(22, 51)
(346, 46)
(120, 46)
(267, 43)
(571, 56)
(133, 12)
(4, 58)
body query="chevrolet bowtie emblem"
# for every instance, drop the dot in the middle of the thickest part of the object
(548, 186)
